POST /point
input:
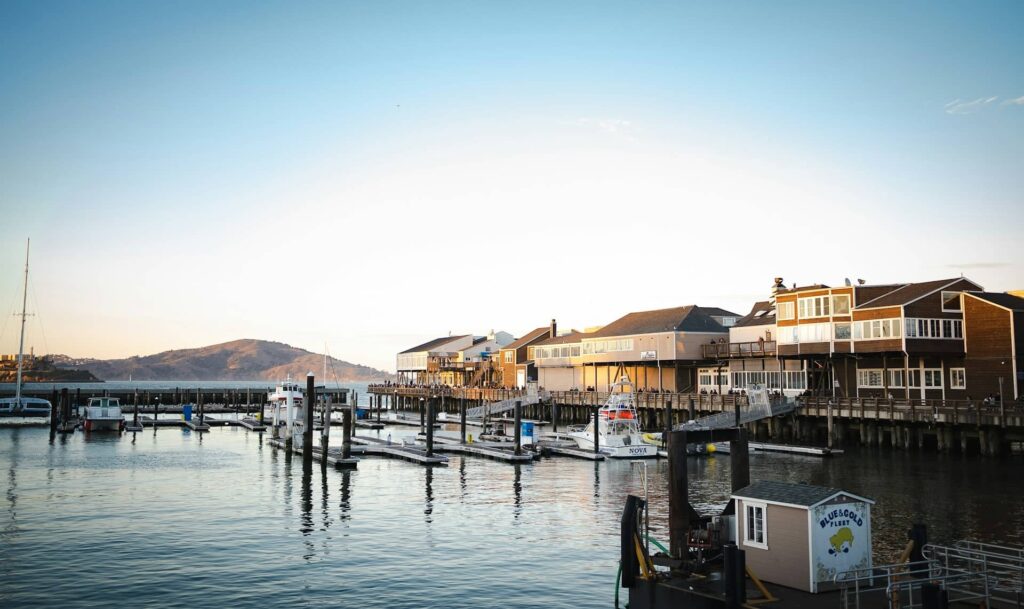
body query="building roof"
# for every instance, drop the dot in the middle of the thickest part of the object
(717, 312)
(679, 319)
(431, 345)
(1002, 299)
(761, 314)
(910, 292)
(791, 493)
(530, 336)
(572, 337)
(814, 286)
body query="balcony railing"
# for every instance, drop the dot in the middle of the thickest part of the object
(761, 348)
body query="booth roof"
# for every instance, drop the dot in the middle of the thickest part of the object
(791, 493)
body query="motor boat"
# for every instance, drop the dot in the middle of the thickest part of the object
(618, 432)
(103, 414)
(30, 408)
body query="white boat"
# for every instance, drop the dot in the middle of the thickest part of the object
(103, 414)
(26, 410)
(618, 431)
(286, 410)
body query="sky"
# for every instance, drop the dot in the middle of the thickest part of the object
(371, 175)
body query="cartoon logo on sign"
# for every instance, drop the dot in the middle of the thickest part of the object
(841, 542)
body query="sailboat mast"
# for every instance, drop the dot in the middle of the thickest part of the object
(21, 341)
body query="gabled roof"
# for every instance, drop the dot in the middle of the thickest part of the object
(761, 314)
(717, 312)
(433, 344)
(572, 337)
(1001, 299)
(679, 319)
(530, 336)
(790, 493)
(911, 292)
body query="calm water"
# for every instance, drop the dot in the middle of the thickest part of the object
(175, 519)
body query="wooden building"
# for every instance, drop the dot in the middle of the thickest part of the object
(903, 340)
(516, 358)
(801, 536)
(994, 344)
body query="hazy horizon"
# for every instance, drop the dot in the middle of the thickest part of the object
(374, 175)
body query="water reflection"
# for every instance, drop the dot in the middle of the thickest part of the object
(346, 495)
(428, 506)
(517, 491)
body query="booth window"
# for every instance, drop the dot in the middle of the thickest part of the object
(754, 532)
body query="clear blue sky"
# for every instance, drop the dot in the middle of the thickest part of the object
(373, 174)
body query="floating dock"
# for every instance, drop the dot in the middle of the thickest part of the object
(490, 450)
(816, 451)
(252, 424)
(570, 451)
(333, 454)
(195, 425)
(376, 446)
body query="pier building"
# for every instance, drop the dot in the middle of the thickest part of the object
(659, 350)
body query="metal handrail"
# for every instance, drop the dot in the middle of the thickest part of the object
(1002, 566)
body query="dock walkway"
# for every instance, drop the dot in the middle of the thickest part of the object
(376, 446)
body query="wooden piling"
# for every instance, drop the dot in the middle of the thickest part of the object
(519, 427)
(430, 428)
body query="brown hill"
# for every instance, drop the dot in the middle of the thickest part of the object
(239, 360)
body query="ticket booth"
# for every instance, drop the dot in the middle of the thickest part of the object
(801, 536)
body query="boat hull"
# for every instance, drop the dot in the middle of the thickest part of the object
(103, 424)
(634, 450)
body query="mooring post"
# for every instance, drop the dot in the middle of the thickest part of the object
(831, 428)
(380, 398)
(199, 400)
(423, 415)
(735, 563)
(65, 403)
(668, 424)
(55, 406)
(430, 427)
(554, 415)
(597, 431)
(678, 495)
(135, 415)
(739, 460)
(325, 429)
(462, 420)
(347, 413)
(519, 427)
(307, 422)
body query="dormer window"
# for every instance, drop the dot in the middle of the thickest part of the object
(950, 302)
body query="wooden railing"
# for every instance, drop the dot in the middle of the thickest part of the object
(929, 412)
(761, 348)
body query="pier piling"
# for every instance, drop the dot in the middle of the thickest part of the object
(307, 423)
(597, 432)
(519, 428)
(430, 428)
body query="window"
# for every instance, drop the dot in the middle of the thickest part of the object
(869, 378)
(897, 378)
(530, 352)
(754, 531)
(841, 304)
(951, 302)
(843, 331)
(788, 335)
(915, 378)
(957, 378)
(876, 329)
(510, 357)
(933, 378)
(795, 379)
(814, 306)
(814, 333)
(784, 310)
(934, 328)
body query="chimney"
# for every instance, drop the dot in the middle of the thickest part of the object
(778, 285)
(553, 330)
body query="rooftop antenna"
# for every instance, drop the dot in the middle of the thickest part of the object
(848, 282)
(861, 282)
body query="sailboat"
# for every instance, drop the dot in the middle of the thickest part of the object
(20, 407)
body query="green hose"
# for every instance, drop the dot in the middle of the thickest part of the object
(618, 575)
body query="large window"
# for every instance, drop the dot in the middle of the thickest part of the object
(841, 304)
(510, 357)
(876, 329)
(873, 378)
(814, 306)
(957, 378)
(784, 310)
(934, 328)
(933, 378)
(869, 378)
(795, 379)
(755, 533)
(843, 331)
(814, 333)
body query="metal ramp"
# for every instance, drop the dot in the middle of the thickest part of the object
(533, 396)
(759, 406)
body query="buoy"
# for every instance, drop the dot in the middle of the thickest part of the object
(470, 438)
(710, 448)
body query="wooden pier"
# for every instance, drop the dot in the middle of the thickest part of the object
(376, 446)
(821, 421)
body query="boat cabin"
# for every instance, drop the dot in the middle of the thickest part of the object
(801, 536)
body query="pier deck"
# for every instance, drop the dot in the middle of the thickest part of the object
(333, 454)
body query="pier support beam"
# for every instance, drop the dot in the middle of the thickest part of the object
(462, 420)
(430, 428)
(519, 428)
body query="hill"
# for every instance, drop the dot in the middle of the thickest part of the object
(239, 360)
